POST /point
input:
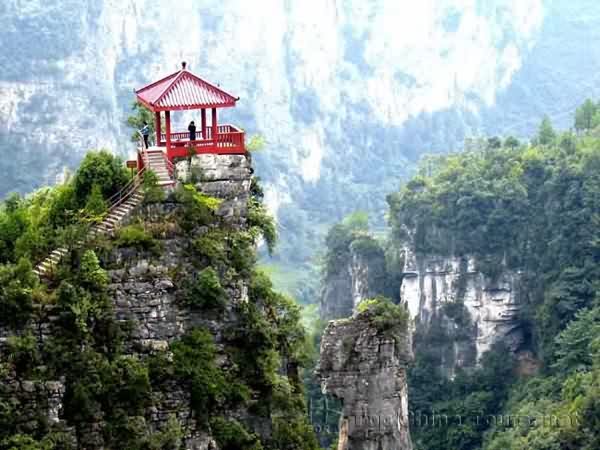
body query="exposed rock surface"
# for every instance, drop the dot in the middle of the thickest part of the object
(362, 276)
(438, 289)
(144, 295)
(367, 370)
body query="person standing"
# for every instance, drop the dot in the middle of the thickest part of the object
(145, 132)
(192, 130)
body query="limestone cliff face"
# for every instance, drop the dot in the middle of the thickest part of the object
(367, 371)
(475, 311)
(446, 295)
(145, 296)
(362, 275)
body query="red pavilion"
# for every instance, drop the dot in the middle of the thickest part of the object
(181, 91)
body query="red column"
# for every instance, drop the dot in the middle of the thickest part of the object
(203, 115)
(214, 126)
(168, 131)
(157, 126)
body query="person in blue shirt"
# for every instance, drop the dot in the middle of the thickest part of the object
(145, 132)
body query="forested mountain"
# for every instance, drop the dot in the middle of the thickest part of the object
(358, 85)
(495, 254)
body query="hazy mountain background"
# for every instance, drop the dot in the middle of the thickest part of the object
(348, 93)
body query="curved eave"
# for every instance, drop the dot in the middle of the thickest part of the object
(155, 108)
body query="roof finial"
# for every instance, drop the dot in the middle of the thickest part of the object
(183, 65)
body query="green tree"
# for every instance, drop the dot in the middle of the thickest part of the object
(136, 120)
(584, 115)
(546, 133)
(100, 168)
(95, 206)
(92, 275)
(511, 142)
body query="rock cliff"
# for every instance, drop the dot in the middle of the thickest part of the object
(359, 275)
(366, 369)
(445, 296)
(473, 310)
(181, 282)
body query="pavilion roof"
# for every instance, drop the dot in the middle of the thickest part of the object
(183, 90)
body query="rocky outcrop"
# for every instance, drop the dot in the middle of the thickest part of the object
(145, 295)
(473, 309)
(366, 369)
(362, 275)
(227, 177)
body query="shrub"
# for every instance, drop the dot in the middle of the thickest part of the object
(135, 236)
(199, 209)
(91, 275)
(211, 246)
(17, 288)
(24, 353)
(205, 291)
(293, 434)
(129, 383)
(194, 362)
(386, 316)
(366, 246)
(100, 168)
(242, 253)
(153, 193)
(168, 438)
(95, 206)
(260, 220)
(232, 435)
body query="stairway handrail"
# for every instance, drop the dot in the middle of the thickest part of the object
(142, 141)
(170, 166)
(126, 190)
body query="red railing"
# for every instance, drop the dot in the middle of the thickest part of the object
(229, 139)
(170, 166)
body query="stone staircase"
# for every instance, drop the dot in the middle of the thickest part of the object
(121, 204)
(155, 160)
(120, 209)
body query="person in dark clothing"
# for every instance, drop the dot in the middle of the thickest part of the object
(145, 132)
(192, 130)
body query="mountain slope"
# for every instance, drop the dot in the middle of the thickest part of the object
(347, 98)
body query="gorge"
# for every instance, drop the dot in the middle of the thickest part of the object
(429, 171)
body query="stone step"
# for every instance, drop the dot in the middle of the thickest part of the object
(121, 210)
(112, 220)
(115, 215)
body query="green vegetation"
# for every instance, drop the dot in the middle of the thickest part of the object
(340, 237)
(199, 208)
(388, 318)
(239, 364)
(153, 193)
(31, 227)
(563, 406)
(137, 237)
(231, 435)
(255, 143)
(533, 208)
(140, 114)
(261, 223)
(205, 292)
